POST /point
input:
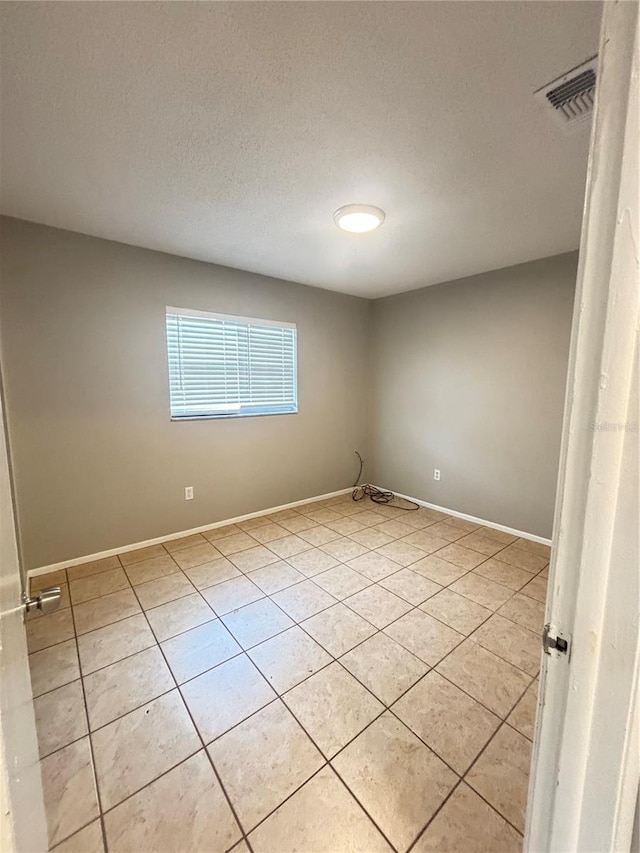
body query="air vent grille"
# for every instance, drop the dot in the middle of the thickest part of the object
(570, 98)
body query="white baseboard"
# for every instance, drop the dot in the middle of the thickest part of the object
(111, 552)
(521, 533)
(88, 558)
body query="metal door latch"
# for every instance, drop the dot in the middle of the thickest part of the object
(46, 601)
(554, 639)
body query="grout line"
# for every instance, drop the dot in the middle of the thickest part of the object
(90, 740)
(473, 763)
(278, 695)
(434, 815)
(199, 736)
(76, 831)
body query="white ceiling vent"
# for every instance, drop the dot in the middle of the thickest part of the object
(570, 98)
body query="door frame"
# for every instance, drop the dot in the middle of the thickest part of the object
(586, 757)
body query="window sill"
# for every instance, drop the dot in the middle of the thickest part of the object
(231, 416)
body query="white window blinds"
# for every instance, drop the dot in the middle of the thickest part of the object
(221, 365)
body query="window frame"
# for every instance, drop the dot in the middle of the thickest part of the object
(234, 318)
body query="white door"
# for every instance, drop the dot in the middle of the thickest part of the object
(22, 818)
(586, 758)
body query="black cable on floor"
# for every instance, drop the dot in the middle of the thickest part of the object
(378, 496)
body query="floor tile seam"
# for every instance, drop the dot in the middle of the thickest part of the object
(458, 781)
(53, 645)
(391, 574)
(277, 698)
(361, 804)
(359, 643)
(172, 601)
(524, 628)
(133, 587)
(376, 631)
(344, 668)
(290, 795)
(101, 595)
(288, 586)
(532, 572)
(438, 619)
(503, 722)
(512, 592)
(434, 815)
(84, 633)
(482, 562)
(178, 597)
(90, 742)
(155, 641)
(514, 665)
(122, 619)
(335, 660)
(220, 556)
(137, 791)
(530, 575)
(75, 832)
(281, 694)
(94, 731)
(277, 538)
(118, 660)
(38, 579)
(475, 572)
(179, 633)
(196, 730)
(514, 621)
(466, 692)
(367, 585)
(439, 661)
(517, 731)
(159, 578)
(420, 603)
(319, 588)
(328, 763)
(482, 797)
(420, 738)
(138, 562)
(64, 746)
(345, 600)
(57, 687)
(406, 690)
(131, 565)
(531, 597)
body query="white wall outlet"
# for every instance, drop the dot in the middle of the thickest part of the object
(436, 473)
(188, 493)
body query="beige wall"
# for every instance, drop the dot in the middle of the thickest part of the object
(470, 379)
(98, 463)
(467, 377)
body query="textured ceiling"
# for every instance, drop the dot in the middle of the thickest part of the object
(230, 132)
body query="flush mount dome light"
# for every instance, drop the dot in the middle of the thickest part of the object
(358, 218)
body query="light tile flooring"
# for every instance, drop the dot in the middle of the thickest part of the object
(340, 677)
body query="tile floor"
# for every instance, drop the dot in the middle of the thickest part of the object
(340, 677)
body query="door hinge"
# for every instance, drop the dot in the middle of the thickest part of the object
(554, 639)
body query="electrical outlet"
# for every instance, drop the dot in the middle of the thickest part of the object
(188, 493)
(436, 473)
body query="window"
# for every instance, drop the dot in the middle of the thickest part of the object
(221, 366)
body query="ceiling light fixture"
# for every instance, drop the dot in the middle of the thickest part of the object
(358, 218)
